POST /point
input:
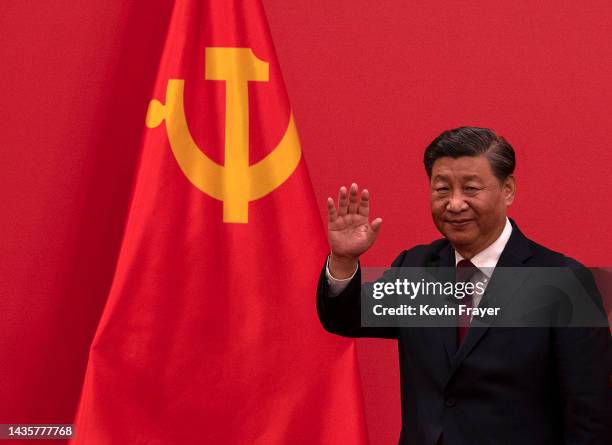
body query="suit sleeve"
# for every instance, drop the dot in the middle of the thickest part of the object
(584, 364)
(341, 314)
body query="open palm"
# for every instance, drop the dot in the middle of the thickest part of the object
(349, 231)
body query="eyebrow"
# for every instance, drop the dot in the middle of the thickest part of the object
(466, 178)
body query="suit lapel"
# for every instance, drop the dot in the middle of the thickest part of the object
(499, 291)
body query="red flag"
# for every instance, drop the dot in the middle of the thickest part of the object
(210, 332)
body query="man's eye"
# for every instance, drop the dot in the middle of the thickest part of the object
(471, 189)
(442, 189)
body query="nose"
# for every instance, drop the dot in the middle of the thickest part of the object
(456, 203)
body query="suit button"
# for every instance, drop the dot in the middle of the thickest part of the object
(450, 402)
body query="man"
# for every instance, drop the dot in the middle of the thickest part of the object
(545, 385)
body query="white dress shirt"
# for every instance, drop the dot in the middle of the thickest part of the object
(485, 261)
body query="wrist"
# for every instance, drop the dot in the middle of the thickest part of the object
(342, 267)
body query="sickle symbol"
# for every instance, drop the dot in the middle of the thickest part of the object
(235, 183)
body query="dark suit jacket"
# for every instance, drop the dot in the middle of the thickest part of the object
(509, 385)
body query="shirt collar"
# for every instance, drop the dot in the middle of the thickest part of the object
(487, 259)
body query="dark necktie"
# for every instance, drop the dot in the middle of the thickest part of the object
(465, 271)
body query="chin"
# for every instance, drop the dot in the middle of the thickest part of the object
(458, 237)
(460, 240)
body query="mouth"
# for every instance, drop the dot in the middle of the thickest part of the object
(459, 222)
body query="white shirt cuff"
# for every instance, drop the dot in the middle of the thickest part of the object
(336, 286)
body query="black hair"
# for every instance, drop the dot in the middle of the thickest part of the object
(472, 141)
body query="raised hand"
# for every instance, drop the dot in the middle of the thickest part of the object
(349, 232)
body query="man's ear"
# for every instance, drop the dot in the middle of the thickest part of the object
(509, 189)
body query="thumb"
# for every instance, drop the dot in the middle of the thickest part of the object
(375, 225)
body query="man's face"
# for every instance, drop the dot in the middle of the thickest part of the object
(468, 203)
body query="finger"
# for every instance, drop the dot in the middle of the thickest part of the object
(353, 201)
(342, 201)
(332, 213)
(375, 225)
(364, 203)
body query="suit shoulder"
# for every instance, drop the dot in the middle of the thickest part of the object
(420, 254)
(551, 258)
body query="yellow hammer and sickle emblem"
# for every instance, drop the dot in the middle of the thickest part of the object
(237, 182)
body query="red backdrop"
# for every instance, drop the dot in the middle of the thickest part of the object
(370, 83)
